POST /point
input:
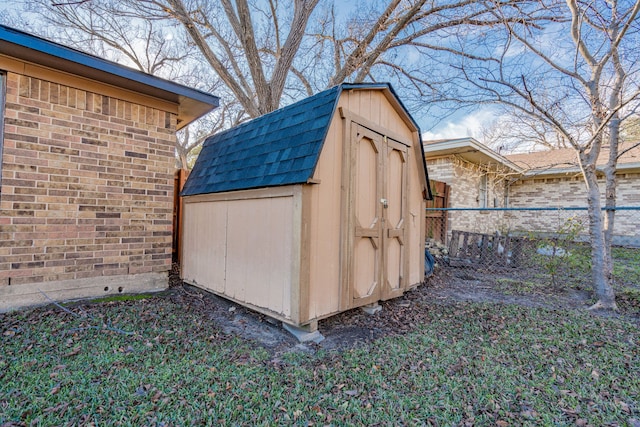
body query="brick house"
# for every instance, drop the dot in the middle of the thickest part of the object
(87, 163)
(480, 177)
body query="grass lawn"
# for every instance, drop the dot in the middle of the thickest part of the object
(465, 364)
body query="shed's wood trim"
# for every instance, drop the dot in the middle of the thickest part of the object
(344, 113)
(419, 153)
(295, 302)
(406, 225)
(406, 214)
(36, 71)
(258, 193)
(346, 239)
(304, 242)
(423, 225)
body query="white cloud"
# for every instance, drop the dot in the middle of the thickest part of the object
(470, 125)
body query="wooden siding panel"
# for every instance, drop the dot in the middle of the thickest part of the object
(324, 240)
(375, 108)
(259, 252)
(203, 240)
(389, 118)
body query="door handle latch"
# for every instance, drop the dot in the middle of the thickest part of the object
(385, 203)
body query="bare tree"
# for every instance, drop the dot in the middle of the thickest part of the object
(269, 50)
(630, 129)
(579, 76)
(227, 37)
(398, 41)
(513, 131)
(265, 50)
(104, 28)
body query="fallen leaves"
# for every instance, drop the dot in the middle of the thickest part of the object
(55, 389)
(74, 352)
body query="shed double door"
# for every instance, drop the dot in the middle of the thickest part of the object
(378, 179)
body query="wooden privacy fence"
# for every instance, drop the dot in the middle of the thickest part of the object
(467, 248)
(179, 178)
(436, 220)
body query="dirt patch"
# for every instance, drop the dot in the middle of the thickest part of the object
(355, 328)
(460, 286)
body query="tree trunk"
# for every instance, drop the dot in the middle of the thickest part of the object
(610, 211)
(601, 266)
(184, 163)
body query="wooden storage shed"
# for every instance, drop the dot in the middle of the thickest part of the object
(312, 209)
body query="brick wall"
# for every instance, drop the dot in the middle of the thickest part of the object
(86, 186)
(570, 191)
(565, 191)
(464, 180)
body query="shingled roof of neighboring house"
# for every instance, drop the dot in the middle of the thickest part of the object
(279, 148)
(546, 162)
(566, 160)
(192, 103)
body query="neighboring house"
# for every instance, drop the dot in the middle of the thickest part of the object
(477, 178)
(87, 164)
(480, 177)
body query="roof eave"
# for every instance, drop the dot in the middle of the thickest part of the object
(190, 110)
(622, 167)
(192, 103)
(467, 145)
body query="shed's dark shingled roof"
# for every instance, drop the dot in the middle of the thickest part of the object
(279, 148)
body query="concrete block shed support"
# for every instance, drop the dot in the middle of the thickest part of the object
(372, 308)
(304, 334)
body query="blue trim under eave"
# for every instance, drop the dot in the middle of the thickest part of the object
(41, 45)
